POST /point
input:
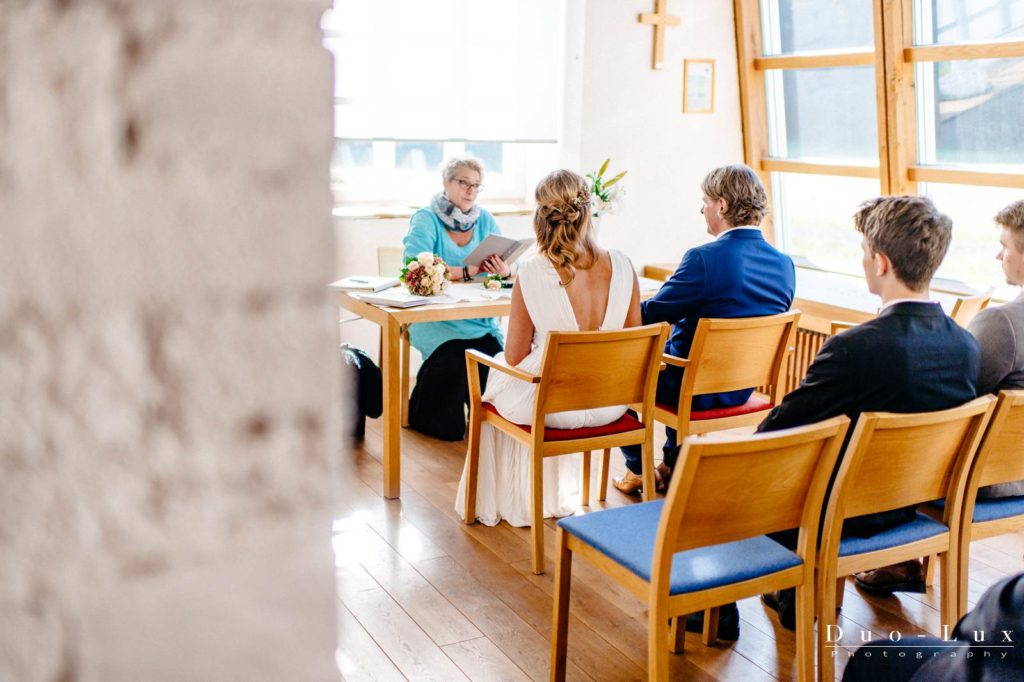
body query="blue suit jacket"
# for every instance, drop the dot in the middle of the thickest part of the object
(737, 275)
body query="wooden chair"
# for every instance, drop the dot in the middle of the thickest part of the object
(389, 260)
(894, 461)
(838, 326)
(727, 355)
(700, 547)
(1000, 459)
(579, 370)
(966, 307)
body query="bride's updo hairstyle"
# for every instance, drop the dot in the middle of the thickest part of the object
(562, 222)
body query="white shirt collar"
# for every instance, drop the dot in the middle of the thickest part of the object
(906, 300)
(741, 227)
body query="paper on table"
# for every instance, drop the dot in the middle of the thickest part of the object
(648, 284)
(365, 283)
(395, 298)
(475, 293)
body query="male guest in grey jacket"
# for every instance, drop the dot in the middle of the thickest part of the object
(1000, 330)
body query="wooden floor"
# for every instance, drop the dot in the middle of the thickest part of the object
(423, 596)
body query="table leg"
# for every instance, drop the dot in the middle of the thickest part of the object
(404, 336)
(390, 364)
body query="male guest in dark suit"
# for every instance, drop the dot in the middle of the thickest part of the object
(911, 358)
(739, 274)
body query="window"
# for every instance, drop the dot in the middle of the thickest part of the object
(417, 82)
(847, 99)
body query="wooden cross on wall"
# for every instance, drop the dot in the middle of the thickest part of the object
(660, 21)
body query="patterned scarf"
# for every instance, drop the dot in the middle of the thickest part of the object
(453, 217)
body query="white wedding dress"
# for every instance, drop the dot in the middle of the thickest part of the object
(503, 490)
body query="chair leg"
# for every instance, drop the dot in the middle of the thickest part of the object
(404, 341)
(560, 628)
(949, 598)
(585, 480)
(602, 487)
(826, 587)
(537, 510)
(929, 569)
(962, 561)
(472, 465)
(677, 634)
(657, 643)
(840, 592)
(805, 632)
(647, 459)
(710, 634)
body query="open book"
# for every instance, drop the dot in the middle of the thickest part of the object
(506, 248)
(365, 283)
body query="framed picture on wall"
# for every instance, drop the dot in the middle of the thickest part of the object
(698, 86)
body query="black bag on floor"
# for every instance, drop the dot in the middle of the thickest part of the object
(364, 378)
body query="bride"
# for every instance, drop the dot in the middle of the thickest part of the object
(572, 284)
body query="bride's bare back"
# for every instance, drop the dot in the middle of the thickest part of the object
(588, 291)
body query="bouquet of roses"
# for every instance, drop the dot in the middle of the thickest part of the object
(425, 275)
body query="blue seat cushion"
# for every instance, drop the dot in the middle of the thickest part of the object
(992, 508)
(626, 535)
(920, 528)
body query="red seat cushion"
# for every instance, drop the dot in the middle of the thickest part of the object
(753, 404)
(626, 422)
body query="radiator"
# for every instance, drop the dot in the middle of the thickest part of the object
(807, 345)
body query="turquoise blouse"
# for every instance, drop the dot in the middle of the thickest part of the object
(427, 233)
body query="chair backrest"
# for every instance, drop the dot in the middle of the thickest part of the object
(389, 260)
(586, 370)
(1000, 456)
(733, 354)
(897, 460)
(966, 307)
(840, 326)
(736, 487)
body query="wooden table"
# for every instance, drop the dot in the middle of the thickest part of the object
(396, 382)
(394, 360)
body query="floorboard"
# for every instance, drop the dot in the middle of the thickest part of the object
(424, 596)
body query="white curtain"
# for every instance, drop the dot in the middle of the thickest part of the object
(447, 69)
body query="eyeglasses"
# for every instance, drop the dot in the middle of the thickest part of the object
(465, 184)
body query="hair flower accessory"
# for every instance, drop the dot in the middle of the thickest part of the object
(605, 195)
(425, 275)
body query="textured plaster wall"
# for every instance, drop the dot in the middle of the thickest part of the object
(168, 358)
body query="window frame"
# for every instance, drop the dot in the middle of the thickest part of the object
(894, 57)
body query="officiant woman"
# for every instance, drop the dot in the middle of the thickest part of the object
(451, 227)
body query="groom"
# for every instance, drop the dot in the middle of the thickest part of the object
(739, 274)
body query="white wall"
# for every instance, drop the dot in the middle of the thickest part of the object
(633, 114)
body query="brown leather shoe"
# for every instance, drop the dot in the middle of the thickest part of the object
(631, 484)
(663, 476)
(906, 576)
